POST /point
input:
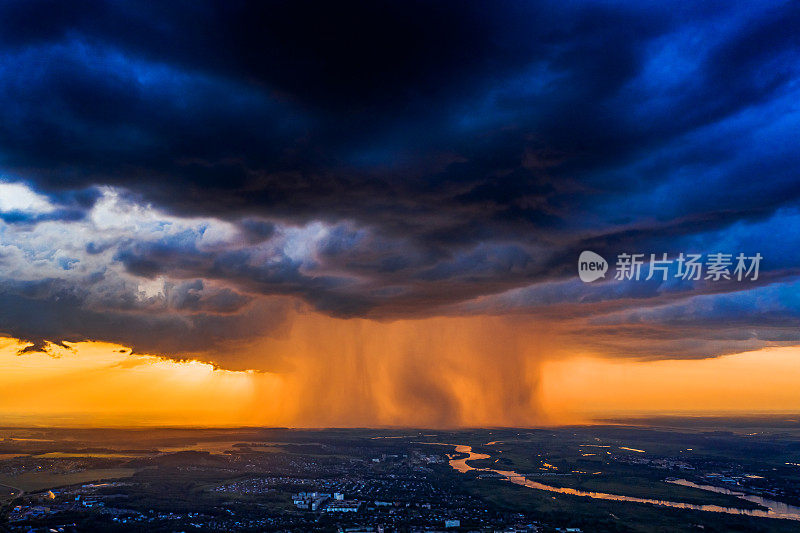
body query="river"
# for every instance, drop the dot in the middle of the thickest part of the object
(774, 509)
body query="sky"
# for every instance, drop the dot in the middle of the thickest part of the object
(371, 213)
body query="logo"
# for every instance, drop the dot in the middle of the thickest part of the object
(591, 266)
(717, 266)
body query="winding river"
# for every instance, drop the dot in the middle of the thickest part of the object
(774, 509)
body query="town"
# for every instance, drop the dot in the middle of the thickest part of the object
(386, 480)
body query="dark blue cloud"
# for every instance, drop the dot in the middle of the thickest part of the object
(455, 151)
(305, 110)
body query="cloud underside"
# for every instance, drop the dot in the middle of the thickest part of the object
(184, 178)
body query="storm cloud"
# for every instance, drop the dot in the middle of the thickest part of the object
(175, 176)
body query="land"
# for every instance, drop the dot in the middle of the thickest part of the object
(277, 479)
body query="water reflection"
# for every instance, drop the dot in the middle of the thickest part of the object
(774, 509)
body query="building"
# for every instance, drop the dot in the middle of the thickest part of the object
(343, 506)
(310, 500)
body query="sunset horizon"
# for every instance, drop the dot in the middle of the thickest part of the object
(567, 386)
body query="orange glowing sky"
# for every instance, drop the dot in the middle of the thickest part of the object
(482, 374)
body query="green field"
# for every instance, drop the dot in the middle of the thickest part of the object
(614, 479)
(599, 516)
(33, 481)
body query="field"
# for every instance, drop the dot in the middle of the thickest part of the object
(245, 479)
(607, 516)
(35, 481)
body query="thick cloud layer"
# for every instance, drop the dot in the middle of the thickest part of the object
(178, 176)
